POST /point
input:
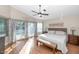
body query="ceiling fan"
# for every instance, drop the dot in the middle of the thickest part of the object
(41, 12)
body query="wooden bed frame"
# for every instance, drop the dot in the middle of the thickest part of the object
(49, 44)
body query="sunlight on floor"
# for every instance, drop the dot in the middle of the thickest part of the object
(27, 48)
(8, 50)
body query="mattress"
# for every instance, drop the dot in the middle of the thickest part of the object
(60, 40)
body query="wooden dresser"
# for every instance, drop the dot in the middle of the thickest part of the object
(73, 39)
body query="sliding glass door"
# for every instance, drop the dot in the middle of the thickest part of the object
(31, 29)
(20, 30)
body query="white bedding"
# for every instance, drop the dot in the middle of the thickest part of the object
(60, 40)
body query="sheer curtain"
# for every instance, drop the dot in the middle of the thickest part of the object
(39, 28)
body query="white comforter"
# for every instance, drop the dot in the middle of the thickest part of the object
(60, 40)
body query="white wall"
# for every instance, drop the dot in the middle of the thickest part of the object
(4, 11)
(69, 22)
(15, 14)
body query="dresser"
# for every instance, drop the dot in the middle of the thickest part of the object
(73, 39)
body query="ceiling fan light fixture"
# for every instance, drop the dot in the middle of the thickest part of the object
(39, 5)
(44, 9)
(41, 12)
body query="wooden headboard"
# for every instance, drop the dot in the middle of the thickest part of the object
(58, 29)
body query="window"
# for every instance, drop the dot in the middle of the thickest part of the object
(39, 27)
(20, 30)
(31, 29)
(2, 26)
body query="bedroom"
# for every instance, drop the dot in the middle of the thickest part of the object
(22, 25)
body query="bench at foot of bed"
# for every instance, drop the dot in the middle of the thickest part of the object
(48, 44)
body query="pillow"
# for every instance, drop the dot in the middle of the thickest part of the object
(60, 32)
(51, 32)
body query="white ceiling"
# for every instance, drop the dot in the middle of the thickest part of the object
(54, 11)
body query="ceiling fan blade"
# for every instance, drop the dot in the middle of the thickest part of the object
(34, 11)
(44, 14)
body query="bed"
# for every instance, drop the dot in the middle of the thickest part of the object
(56, 36)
